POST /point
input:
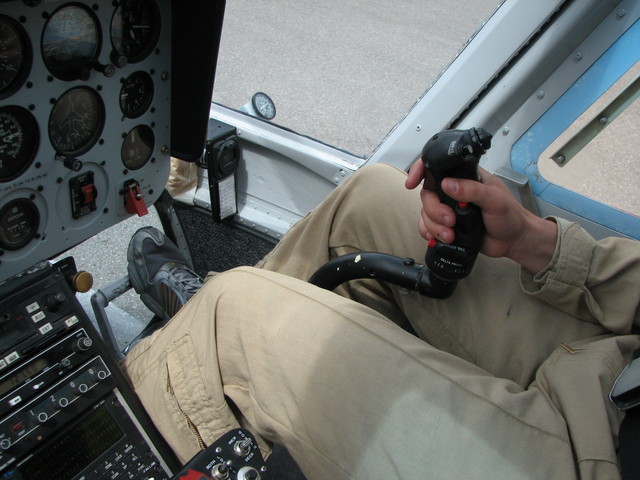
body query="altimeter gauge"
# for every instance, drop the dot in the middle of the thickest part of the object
(135, 28)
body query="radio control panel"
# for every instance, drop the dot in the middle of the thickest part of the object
(66, 410)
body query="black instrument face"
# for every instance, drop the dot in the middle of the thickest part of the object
(135, 29)
(19, 221)
(71, 42)
(136, 94)
(138, 147)
(19, 139)
(15, 56)
(76, 121)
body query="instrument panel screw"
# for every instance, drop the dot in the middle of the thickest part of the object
(621, 13)
(505, 131)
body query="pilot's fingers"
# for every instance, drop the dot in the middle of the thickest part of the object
(415, 176)
(436, 218)
(482, 193)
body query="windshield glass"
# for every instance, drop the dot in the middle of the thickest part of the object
(342, 72)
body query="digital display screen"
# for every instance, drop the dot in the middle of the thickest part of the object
(21, 375)
(73, 450)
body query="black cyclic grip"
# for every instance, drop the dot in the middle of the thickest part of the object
(450, 153)
(455, 153)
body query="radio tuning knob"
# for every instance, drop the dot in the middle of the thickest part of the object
(82, 344)
(54, 301)
(5, 444)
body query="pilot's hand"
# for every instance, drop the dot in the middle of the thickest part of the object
(512, 231)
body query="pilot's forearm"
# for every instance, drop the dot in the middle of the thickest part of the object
(596, 281)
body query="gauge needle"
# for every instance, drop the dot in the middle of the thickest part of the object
(9, 137)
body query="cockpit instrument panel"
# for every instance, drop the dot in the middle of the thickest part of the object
(85, 120)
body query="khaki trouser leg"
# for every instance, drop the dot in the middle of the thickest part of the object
(488, 320)
(353, 396)
(349, 393)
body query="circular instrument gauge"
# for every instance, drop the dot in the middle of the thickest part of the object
(15, 56)
(76, 121)
(138, 147)
(136, 94)
(19, 222)
(19, 138)
(71, 42)
(135, 28)
(263, 105)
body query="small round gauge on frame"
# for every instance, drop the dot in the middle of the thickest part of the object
(71, 42)
(19, 222)
(76, 121)
(263, 106)
(136, 94)
(19, 140)
(137, 147)
(135, 29)
(15, 56)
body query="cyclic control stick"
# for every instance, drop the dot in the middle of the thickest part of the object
(450, 153)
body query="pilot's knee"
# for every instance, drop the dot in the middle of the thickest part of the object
(377, 189)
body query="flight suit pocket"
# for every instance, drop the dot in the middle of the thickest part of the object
(179, 384)
(198, 401)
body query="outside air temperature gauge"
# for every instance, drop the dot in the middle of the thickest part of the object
(263, 105)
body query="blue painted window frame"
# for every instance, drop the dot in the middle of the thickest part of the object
(611, 65)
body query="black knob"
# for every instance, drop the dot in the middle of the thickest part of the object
(82, 344)
(54, 301)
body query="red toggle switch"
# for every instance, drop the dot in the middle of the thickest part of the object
(87, 193)
(134, 201)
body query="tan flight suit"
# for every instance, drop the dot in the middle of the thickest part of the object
(509, 378)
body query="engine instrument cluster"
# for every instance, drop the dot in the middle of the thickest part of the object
(85, 113)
